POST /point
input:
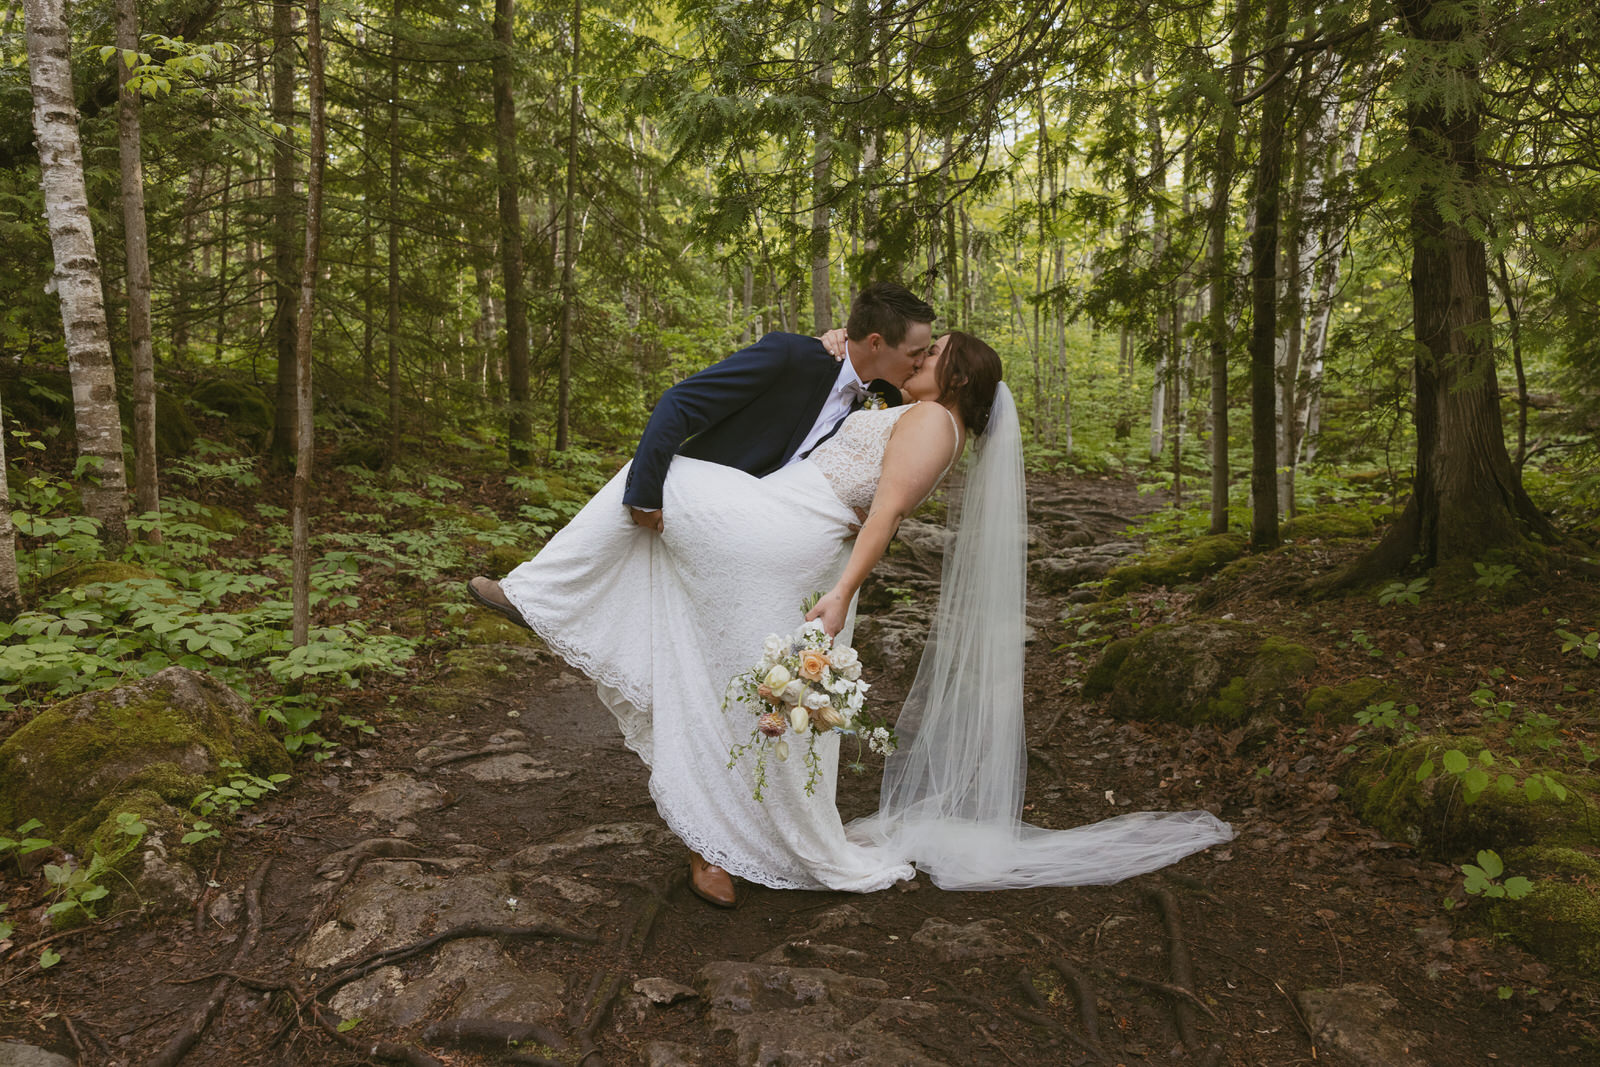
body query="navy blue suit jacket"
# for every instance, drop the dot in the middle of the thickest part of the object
(750, 411)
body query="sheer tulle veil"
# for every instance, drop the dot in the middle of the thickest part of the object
(952, 793)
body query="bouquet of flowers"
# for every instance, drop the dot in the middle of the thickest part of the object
(805, 684)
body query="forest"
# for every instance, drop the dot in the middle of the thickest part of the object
(310, 311)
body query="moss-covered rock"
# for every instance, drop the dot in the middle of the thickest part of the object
(97, 572)
(1433, 815)
(220, 518)
(167, 734)
(1328, 526)
(468, 672)
(248, 412)
(1560, 920)
(1185, 564)
(175, 430)
(1338, 704)
(361, 452)
(492, 628)
(1209, 671)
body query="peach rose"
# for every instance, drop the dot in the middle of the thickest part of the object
(765, 693)
(812, 663)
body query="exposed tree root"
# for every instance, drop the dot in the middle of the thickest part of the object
(1083, 992)
(491, 750)
(1181, 967)
(182, 1041)
(364, 967)
(353, 858)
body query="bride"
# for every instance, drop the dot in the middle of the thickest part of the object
(662, 622)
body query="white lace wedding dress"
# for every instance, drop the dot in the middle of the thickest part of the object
(662, 622)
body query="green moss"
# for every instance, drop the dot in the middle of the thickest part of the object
(361, 452)
(98, 572)
(1188, 563)
(492, 628)
(76, 753)
(468, 672)
(503, 559)
(1559, 922)
(221, 519)
(248, 412)
(1103, 675)
(1552, 860)
(1213, 670)
(1337, 704)
(1433, 816)
(1328, 526)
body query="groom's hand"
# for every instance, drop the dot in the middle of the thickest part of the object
(650, 520)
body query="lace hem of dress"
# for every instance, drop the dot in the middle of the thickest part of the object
(576, 657)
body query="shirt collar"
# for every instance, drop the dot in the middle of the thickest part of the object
(848, 378)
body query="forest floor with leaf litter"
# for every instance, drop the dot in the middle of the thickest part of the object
(1200, 963)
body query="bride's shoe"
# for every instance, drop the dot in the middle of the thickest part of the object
(487, 592)
(710, 883)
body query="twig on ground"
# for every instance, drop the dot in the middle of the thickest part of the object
(448, 758)
(490, 1034)
(182, 1041)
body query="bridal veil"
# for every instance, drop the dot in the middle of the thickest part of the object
(952, 793)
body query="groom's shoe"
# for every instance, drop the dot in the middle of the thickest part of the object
(487, 592)
(710, 883)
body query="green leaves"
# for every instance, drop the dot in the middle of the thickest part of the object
(1482, 879)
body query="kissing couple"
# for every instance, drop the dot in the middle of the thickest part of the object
(746, 494)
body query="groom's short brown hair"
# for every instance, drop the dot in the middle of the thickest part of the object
(886, 309)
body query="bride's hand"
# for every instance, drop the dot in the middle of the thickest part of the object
(831, 609)
(834, 342)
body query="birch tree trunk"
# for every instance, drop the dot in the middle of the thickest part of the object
(506, 172)
(76, 278)
(305, 318)
(147, 494)
(569, 240)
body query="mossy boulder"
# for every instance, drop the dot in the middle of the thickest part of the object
(1189, 563)
(1217, 671)
(1434, 816)
(167, 734)
(467, 674)
(1338, 704)
(175, 430)
(363, 452)
(1328, 526)
(98, 572)
(1559, 921)
(248, 412)
(491, 628)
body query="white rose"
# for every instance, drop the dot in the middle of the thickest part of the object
(778, 677)
(816, 700)
(814, 629)
(852, 672)
(799, 720)
(773, 647)
(793, 692)
(844, 658)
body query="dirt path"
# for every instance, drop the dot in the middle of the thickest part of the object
(524, 813)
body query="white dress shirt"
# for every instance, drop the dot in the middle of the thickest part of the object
(847, 389)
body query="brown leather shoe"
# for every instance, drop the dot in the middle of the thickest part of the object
(487, 592)
(710, 883)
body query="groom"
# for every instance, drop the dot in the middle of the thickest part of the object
(760, 409)
(772, 403)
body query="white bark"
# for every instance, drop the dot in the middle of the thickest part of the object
(77, 267)
(304, 320)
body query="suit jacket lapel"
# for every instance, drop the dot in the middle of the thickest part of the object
(821, 386)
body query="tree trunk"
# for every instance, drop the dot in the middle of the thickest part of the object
(1468, 498)
(821, 172)
(304, 320)
(76, 278)
(1217, 271)
(392, 311)
(283, 233)
(147, 495)
(505, 140)
(10, 589)
(569, 241)
(1264, 294)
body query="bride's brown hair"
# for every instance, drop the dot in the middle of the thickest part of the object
(969, 370)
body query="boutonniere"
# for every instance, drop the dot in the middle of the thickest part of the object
(874, 402)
